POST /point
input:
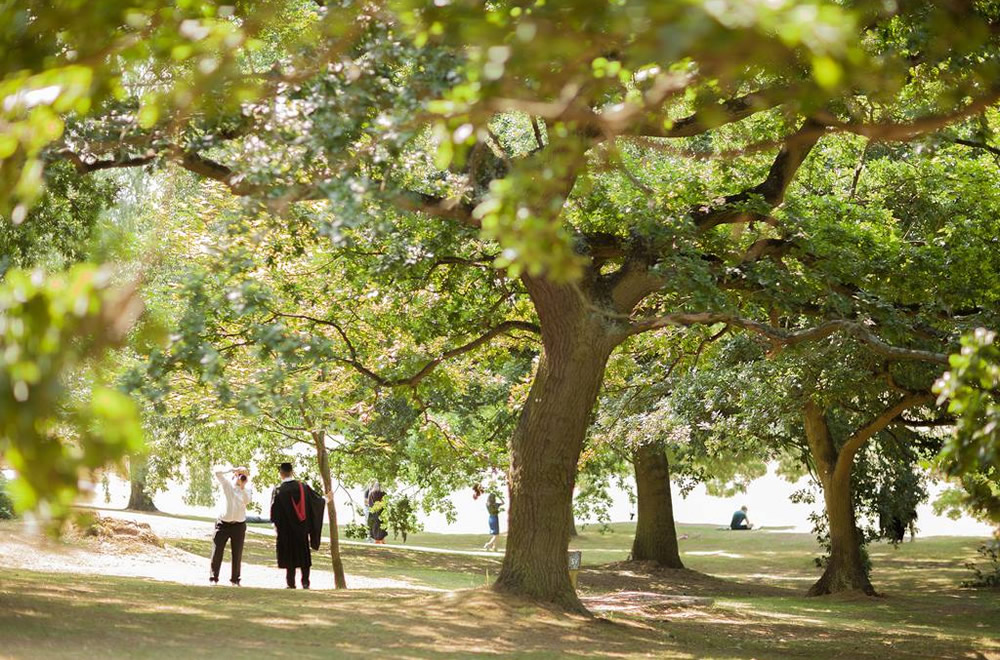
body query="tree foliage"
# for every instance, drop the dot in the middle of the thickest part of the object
(52, 335)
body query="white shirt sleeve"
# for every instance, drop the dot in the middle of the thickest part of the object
(227, 485)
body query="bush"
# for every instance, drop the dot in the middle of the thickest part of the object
(6, 505)
(987, 576)
(356, 530)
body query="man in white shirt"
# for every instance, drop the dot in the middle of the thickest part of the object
(232, 522)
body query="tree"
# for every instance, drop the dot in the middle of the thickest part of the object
(253, 330)
(636, 426)
(51, 70)
(139, 498)
(51, 329)
(407, 126)
(972, 452)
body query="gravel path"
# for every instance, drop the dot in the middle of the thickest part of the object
(20, 549)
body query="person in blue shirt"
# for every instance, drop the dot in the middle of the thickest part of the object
(740, 520)
(493, 509)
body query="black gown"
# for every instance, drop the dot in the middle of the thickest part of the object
(295, 537)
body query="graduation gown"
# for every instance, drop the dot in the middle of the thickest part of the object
(296, 537)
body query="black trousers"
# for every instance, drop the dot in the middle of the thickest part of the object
(228, 531)
(290, 576)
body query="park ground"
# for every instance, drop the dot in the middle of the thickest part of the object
(742, 598)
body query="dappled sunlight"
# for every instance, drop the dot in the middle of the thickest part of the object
(766, 577)
(30, 612)
(641, 609)
(166, 608)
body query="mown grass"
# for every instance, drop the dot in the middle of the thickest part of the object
(759, 610)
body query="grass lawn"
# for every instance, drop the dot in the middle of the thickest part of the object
(756, 581)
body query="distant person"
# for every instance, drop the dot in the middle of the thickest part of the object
(740, 520)
(364, 499)
(297, 514)
(493, 509)
(374, 501)
(894, 526)
(232, 524)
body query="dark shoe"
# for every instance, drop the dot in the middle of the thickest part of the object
(235, 583)
(213, 580)
(291, 586)
(305, 585)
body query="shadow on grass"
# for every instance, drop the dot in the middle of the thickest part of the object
(65, 615)
(56, 615)
(419, 568)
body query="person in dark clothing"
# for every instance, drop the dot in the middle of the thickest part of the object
(297, 514)
(740, 520)
(373, 500)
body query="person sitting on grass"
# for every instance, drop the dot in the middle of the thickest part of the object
(740, 520)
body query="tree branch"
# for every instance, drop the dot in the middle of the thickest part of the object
(537, 130)
(333, 324)
(450, 208)
(424, 371)
(86, 164)
(791, 338)
(772, 189)
(886, 417)
(713, 116)
(904, 131)
(975, 145)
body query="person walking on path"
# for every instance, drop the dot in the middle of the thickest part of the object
(231, 525)
(375, 504)
(493, 509)
(297, 514)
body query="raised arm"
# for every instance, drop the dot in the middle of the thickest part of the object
(227, 485)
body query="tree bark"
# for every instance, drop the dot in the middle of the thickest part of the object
(546, 447)
(139, 498)
(319, 439)
(655, 534)
(572, 527)
(845, 570)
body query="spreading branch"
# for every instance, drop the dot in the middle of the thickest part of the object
(711, 117)
(792, 337)
(429, 366)
(905, 131)
(882, 420)
(972, 144)
(771, 191)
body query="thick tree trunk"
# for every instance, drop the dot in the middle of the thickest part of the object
(340, 581)
(845, 570)
(139, 498)
(655, 534)
(572, 527)
(546, 447)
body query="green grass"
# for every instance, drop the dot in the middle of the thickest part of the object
(759, 609)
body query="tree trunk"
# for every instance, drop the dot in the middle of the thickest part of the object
(845, 570)
(655, 534)
(340, 581)
(139, 498)
(572, 527)
(546, 447)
